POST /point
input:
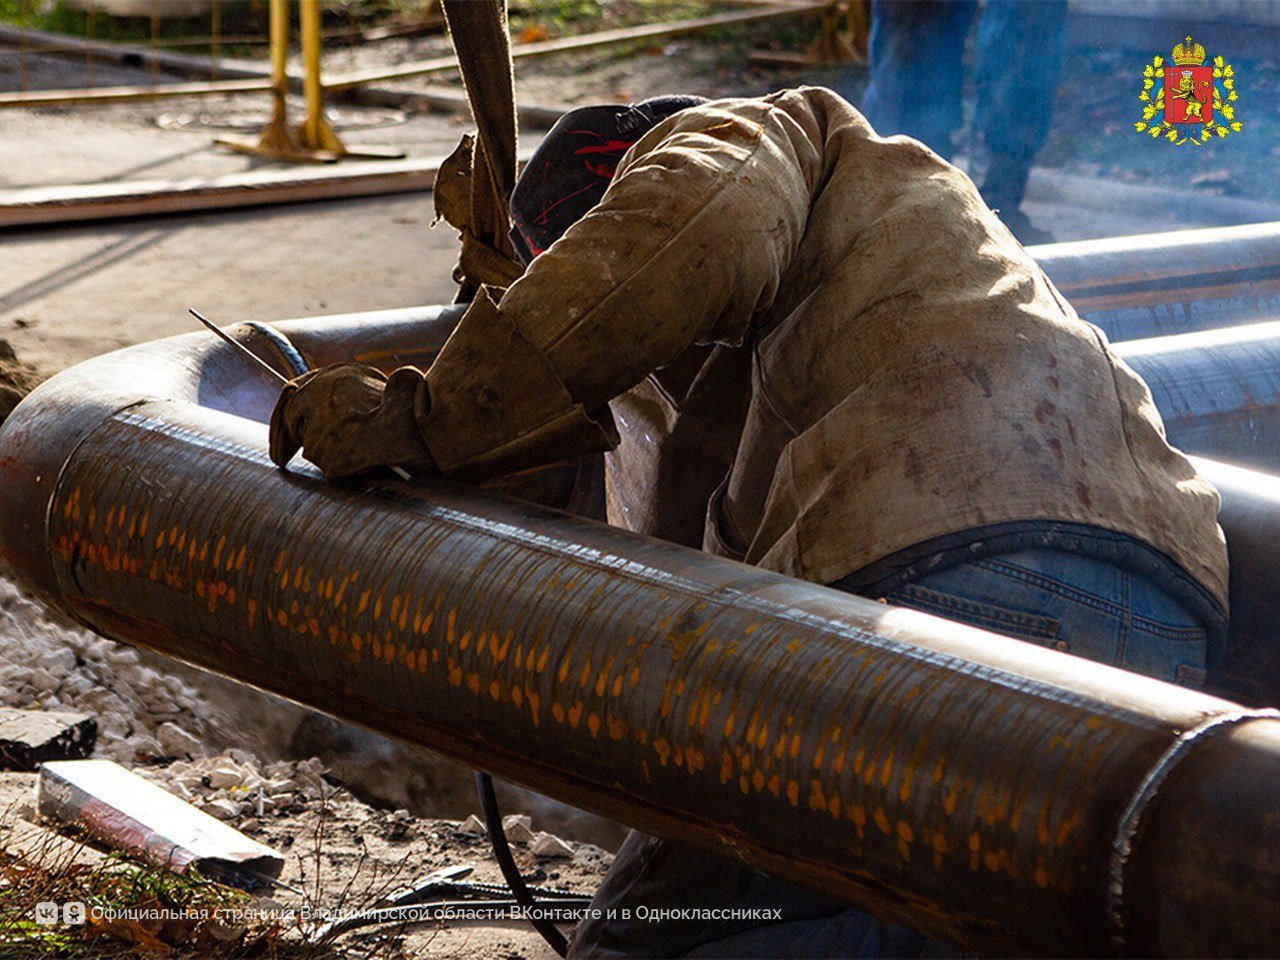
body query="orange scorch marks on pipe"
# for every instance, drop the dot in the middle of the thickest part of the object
(393, 630)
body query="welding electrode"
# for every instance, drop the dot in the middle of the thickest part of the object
(221, 334)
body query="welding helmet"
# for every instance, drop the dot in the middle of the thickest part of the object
(569, 172)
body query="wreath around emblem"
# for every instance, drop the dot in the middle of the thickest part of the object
(1221, 108)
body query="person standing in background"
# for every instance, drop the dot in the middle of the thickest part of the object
(917, 85)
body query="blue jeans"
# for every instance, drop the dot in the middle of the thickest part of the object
(917, 79)
(1069, 601)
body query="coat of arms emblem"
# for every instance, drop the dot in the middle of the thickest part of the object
(1195, 100)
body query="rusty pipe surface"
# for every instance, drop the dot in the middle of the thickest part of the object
(1168, 283)
(990, 792)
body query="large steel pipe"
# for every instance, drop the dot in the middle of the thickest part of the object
(1248, 670)
(1167, 283)
(1217, 391)
(996, 794)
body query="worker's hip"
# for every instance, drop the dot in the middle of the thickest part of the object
(1072, 603)
(1083, 590)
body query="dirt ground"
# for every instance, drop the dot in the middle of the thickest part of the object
(341, 856)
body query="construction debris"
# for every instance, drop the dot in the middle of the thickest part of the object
(402, 826)
(128, 813)
(176, 742)
(53, 667)
(239, 778)
(29, 738)
(549, 845)
(517, 828)
(473, 826)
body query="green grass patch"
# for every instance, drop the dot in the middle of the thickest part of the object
(131, 910)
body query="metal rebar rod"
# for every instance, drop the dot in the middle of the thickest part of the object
(47, 98)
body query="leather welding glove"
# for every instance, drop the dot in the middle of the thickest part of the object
(350, 418)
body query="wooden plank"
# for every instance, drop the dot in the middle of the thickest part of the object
(43, 206)
(650, 31)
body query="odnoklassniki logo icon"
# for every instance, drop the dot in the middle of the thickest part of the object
(1195, 101)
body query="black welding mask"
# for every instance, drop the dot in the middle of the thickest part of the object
(569, 172)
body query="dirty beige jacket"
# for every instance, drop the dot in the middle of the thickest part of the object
(820, 347)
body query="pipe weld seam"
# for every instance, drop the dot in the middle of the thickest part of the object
(283, 346)
(1148, 789)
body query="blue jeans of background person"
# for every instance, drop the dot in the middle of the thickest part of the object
(917, 79)
(1098, 608)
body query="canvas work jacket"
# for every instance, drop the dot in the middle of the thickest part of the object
(809, 347)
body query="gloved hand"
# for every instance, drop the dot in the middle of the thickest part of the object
(349, 418)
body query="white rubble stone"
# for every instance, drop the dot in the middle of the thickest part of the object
(122, 656)
(76, 685)
(473, 826)
(115, 727)
(42, 680)
(143, 746)
(176, 742)
(517, 828)
(47, 663)
(549, 845)
(223, 808)
(60, 662)
(225, 776)
(159, 699)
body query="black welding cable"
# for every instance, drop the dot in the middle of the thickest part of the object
(510, 872)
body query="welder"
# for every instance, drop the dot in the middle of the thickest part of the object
(816, 350)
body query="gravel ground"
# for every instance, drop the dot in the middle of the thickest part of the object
(142, 713)
(341, 855)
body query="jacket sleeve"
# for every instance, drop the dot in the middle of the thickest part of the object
(688, 246)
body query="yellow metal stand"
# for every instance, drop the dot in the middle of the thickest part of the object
(315, 132)
(845, 26)
(842, 38)
(314, 140)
